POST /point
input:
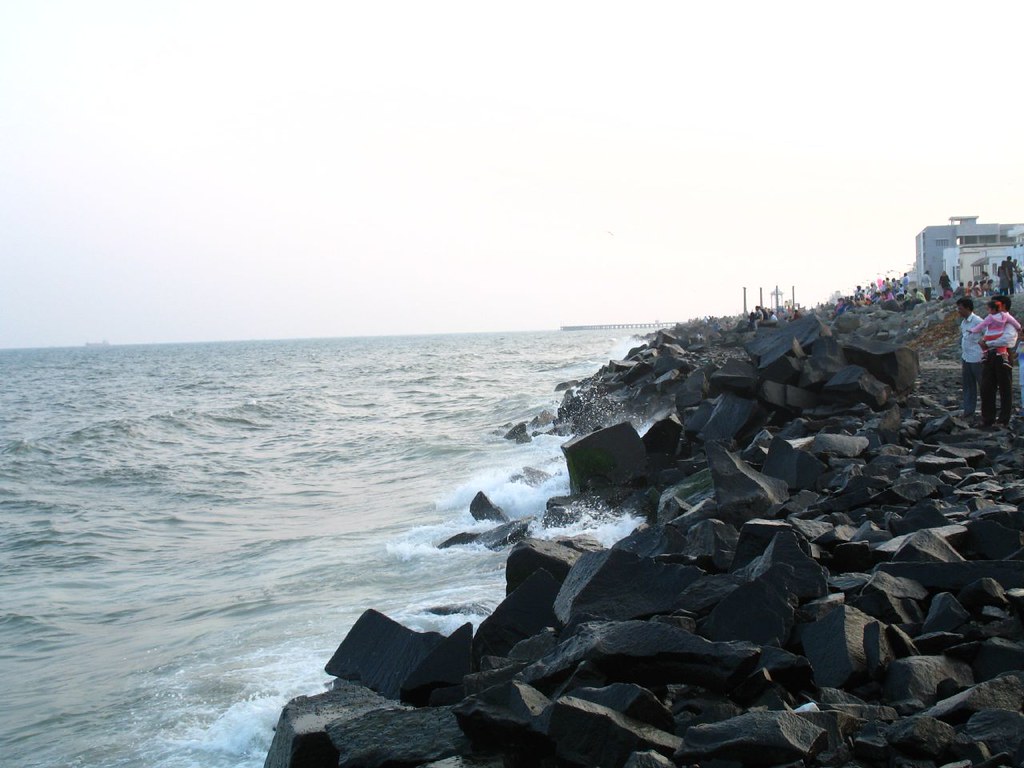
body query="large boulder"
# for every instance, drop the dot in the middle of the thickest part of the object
(587, 733)
(380, 653)
(834, 644)
(795, 338)
(754, 738)
(897, 366)
(530, 555)
(388, 737)
(617, 584)
(482, 508)
(300, 738)
(732, 417)
(648, 653)
(611, 456)
(443, 667)
(797, 468)
(742, 493)
(522, 614)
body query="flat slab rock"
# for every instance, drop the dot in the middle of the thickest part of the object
(754, 738)
(387, 737)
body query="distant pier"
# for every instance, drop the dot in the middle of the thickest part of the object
(615, 326)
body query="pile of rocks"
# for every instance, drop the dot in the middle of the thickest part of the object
(831, 573)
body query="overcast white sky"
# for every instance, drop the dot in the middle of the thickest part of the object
(184, 171)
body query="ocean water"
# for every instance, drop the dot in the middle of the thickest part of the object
(188, 531)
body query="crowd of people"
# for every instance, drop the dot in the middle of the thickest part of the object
(989, 344)
(1009, 280)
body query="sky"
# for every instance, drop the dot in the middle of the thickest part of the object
(201, 171)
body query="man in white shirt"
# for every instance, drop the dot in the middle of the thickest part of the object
(970, 356)
(926, 285)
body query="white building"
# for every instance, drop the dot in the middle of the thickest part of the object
(964, 249)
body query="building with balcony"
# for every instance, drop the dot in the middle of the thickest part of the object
(965, 248)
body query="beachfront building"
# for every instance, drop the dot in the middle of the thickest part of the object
(965, 249)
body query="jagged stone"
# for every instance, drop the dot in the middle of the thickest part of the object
(646, 653)
(648, 759)
(920, 736)
(617, 584)
(300, 738)
(923, 514)
(442, 667)
(586, 733)
(1004, 692)
(705, 593)
(926, 546)
(732, 417)
(685, 496)
(798, 469)
(506, 535)
(956, 576)
(805, 580)
(611, 456)
(530, 555)
(380, 653)
(834, 644)
(693, 391)
(998, 729)
(995, 656)
(481, 508)
(662, 438)
(794, 338)
(944, 615)
(741, 493)
(710, 544)
(919, 677)
(522, 614)
(737, 376)
(843, 446)
(825, 361)
(387, 737)
(754, 738)
(508, 715)
(754, 537)
(897, 366)
(855, 384)
(983, 592)
(756, 612)
(892, 600)
(993, 540)
(631, 700)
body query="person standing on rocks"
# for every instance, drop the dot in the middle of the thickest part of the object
(970, 356)
(997, 369)
(926, 285)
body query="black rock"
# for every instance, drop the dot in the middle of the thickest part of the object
(585, 733)
(521, 615)
(1004, 692)
(855, 384)
(443, 667)
(741, 493)
(481, 508)
(388, 737)
(798, 469)
(530, 555)
(754, 738)
(647, 653)
(806, 579)
(511, 715)
(380, 653)
(794, 338)
(506, 535)
(944, 615)
(611, 456)
(918, 678)
(998, 729)
(300, 738)
(756, 612)
(920, 736)
(834, 644)
(956, 576)
(617, 584)
(995, 656)
(631, 700)
(896, 366)
(732, 418)
(663, 436)
(926, 546)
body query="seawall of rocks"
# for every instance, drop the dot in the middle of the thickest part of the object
(831, 573)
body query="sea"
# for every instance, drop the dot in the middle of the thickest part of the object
(188, 531)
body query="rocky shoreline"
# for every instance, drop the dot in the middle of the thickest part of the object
(831, 573)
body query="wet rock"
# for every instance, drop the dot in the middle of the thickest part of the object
(443, 667)
(387, 737)
(732, 417)
(300, 738)
(522, 614)
(380, 653)
(511, 715)
(530, 555)
(481, 508)
(506, 535)
(611, 456)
